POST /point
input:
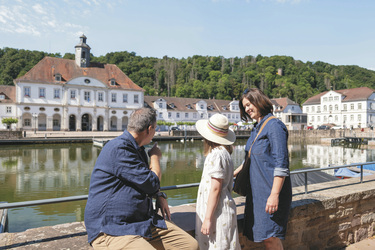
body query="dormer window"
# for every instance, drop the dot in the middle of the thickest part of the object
(2, 97)
(172, 105)
(113, 82)
(189, 106)
(58, 77)
(224, 107)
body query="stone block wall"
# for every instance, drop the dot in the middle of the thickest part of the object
(4, 135)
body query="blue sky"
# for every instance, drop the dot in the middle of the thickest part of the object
(339, 32)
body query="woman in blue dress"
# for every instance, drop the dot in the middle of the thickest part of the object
(268, 203)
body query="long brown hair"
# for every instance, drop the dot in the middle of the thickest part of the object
(209, 146)
(259, 100)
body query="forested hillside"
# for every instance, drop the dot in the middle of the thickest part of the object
(211, 76)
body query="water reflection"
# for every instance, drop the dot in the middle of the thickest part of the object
(50, 171)
(324, 155)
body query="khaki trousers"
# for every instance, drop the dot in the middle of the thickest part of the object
(171, 238)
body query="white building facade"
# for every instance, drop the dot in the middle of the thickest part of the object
(350, 108)
(174, 109)
(290, 113)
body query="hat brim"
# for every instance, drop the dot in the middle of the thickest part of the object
(204, 131)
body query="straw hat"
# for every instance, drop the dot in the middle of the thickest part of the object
(216, 129)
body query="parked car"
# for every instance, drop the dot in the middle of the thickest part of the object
(310, 127)
(323, 127)
(337, 127)
(174, 128)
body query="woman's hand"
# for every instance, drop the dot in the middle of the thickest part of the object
(272, 203)
(206, 226)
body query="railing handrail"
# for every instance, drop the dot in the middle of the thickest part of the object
(84, 197)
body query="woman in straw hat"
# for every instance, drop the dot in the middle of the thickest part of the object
(216, 219)
(269, 200)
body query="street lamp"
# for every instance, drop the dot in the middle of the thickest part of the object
(35, 116)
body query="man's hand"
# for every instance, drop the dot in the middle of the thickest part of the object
(164, 209)
(155, 150)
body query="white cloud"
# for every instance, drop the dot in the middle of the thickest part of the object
(39, 9)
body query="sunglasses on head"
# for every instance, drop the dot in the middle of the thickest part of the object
(246, 91)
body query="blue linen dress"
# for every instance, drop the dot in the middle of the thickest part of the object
(269, 158)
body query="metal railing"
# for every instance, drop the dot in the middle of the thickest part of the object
(84, 197)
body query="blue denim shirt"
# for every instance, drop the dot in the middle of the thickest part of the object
(121, 187)
(270, 149)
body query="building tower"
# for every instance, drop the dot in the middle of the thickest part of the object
(82, 53)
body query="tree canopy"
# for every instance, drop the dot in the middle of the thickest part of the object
(211, 76)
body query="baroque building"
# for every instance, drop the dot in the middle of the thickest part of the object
(349, 108)
(75, 95)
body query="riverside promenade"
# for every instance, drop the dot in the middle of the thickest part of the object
(333, 215)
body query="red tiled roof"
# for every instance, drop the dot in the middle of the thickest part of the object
(45, 71)
(283, 103)
(181, 104)
(356, 94)
(9, 92)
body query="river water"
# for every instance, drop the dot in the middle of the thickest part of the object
(33, 172)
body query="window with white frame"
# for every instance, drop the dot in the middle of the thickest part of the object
(2, 97)
(307, 109)
(336, 107)
(169, 114)
(324, 99)
(318, 109)
(100, 96)
(344, 118)
(202, 106)
(318, 118)
(352, 106)
(325, 119)
(160, 115)
(194, 115)
(186, 115)
(160, 105)
(325, 108)
(55, 123)
(312, 109)
(136, 100)
(336, 118)
(27, 122)
(125, 98)
(351, 117)
(9, 109)
(202, 115)
(72, 94)
(87, 96)
(178, 115)
(113, 97)
(26, 91)
(56, 93)
(336, 98)
(359, 117)
(359, 105)
(312, 118)
(331, 98)
(42, 93)
(330, 107)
